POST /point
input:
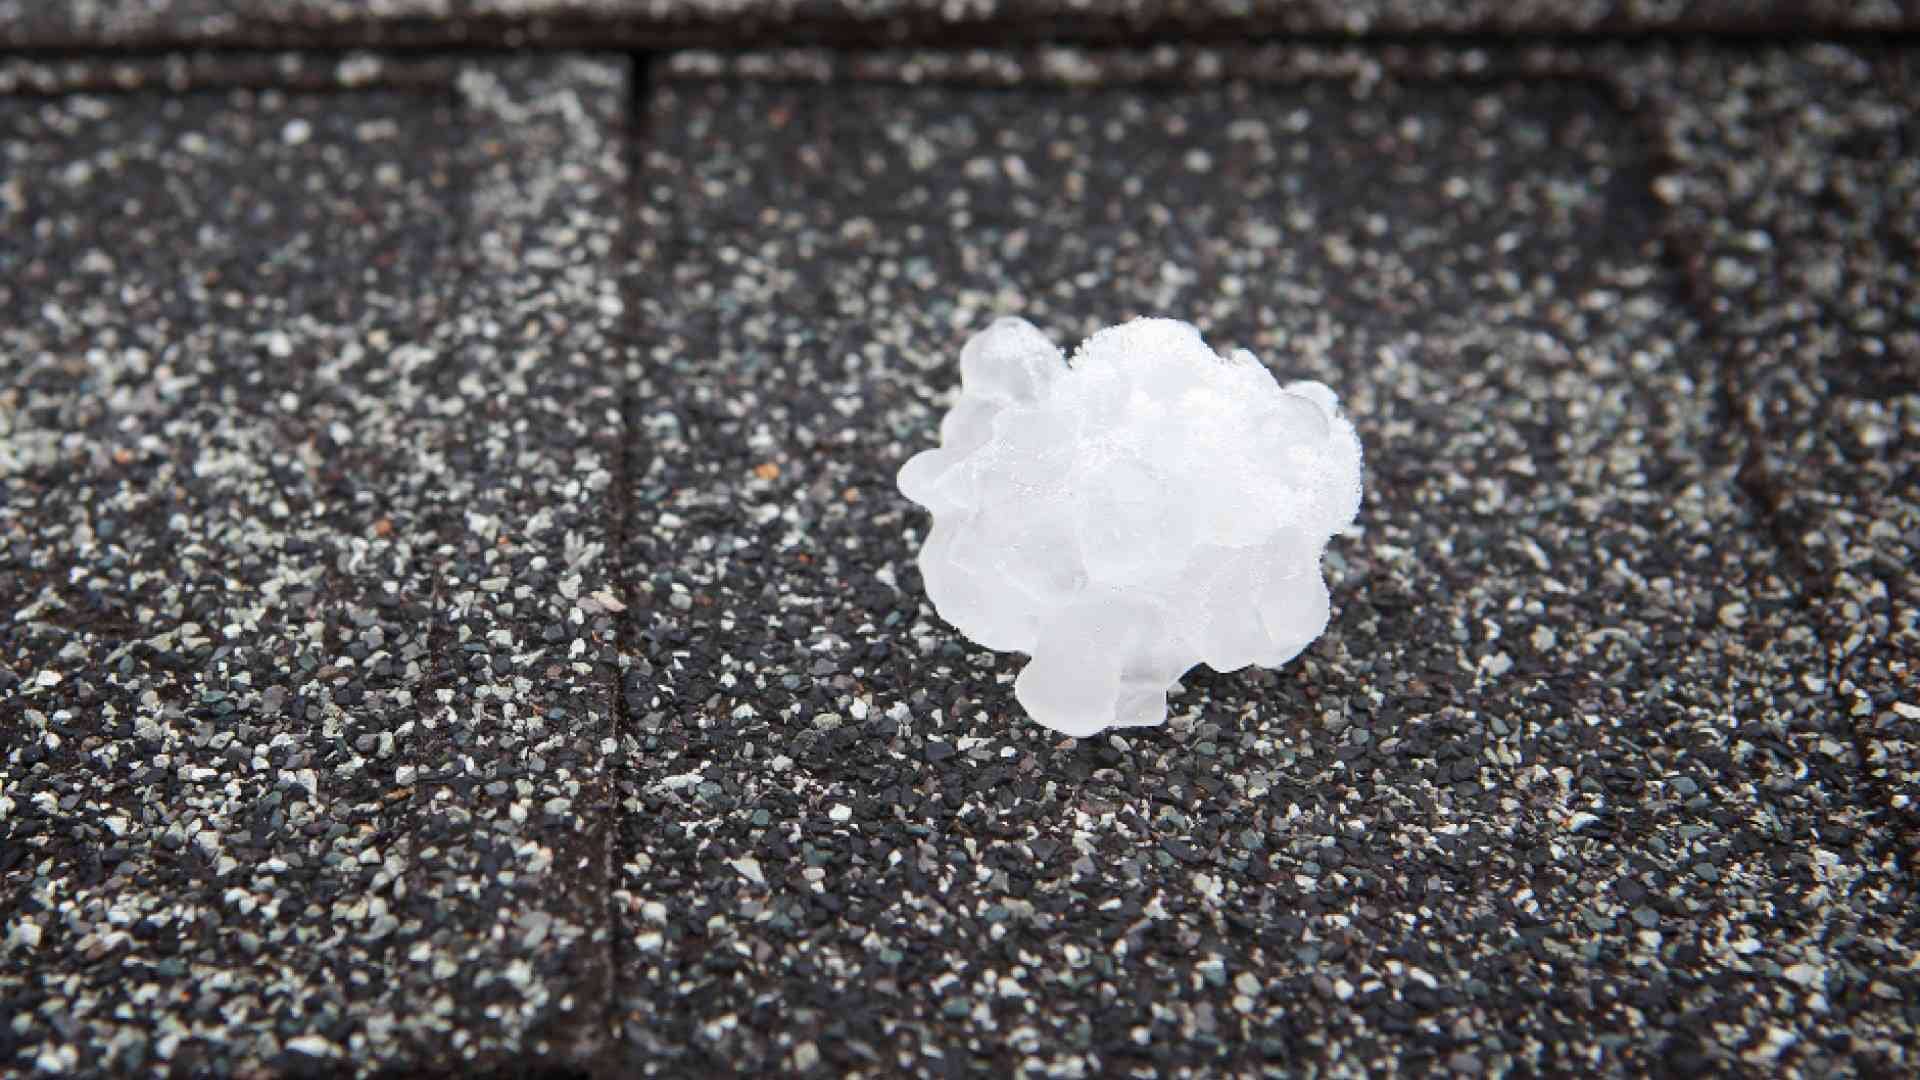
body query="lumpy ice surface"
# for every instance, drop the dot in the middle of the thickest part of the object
(1122, 516)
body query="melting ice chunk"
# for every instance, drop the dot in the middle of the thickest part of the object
(1145, 507)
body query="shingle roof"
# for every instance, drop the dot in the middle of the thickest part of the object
(82, 24)
(462, 618)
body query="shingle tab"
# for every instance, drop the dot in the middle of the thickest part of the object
(768, 23)
(306, 424)
(1556, 651)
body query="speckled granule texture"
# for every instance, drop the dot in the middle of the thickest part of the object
(306, 428)
(1797, 183)
(120, 23)
(654, 23)
(1797, 187)
(1554, 791)
(1603, 766)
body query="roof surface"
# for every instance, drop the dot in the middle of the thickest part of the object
(92, 24)
(463, 619)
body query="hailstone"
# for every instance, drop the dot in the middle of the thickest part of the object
(1120, 517)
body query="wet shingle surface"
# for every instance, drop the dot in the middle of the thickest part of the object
(302, 469)
(466, 620)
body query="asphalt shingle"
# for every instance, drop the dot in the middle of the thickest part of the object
(1551, 791)
(305, 523)
(1806, 252)
(463, 617)
(678, 23)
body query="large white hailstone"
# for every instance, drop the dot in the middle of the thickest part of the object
(1122, 516)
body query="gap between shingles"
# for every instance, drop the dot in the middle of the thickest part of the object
(629, 464)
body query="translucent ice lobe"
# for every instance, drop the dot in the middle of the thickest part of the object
(920, 474)
(1293, 613)
(942, 480)
(1073, 682)
(1009, 361)
(1224, 628)
(1120, 518)
(1121, 521)
(963, 582)
(1092, 667)
(1337, 456)
(1032, 558)
(969, 424)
